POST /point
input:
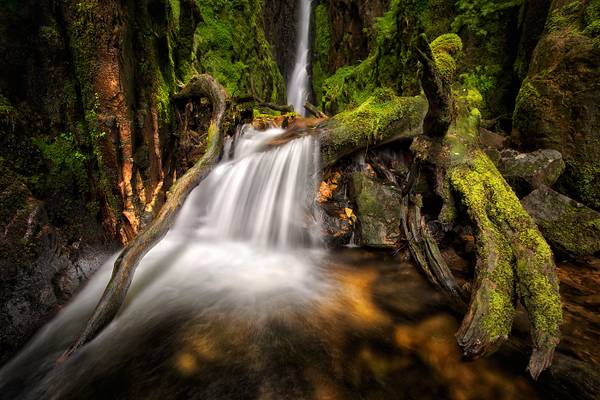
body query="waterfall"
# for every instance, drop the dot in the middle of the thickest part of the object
(298, 86)
(265, 197)
(243, 246)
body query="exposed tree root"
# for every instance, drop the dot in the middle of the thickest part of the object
(514, 262)
(116, 290)
(425, 250)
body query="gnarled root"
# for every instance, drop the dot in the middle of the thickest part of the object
(514, 262)
(425, 250)
(116, 290)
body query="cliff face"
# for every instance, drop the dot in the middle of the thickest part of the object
(558, 105)
(280, 30)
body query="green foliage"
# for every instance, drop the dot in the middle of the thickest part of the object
(481, 16)
(481, 77)
(390, 64)
(230, 45)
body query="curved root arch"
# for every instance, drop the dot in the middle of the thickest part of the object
(124, 268)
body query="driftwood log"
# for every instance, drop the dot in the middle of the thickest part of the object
(124, 268)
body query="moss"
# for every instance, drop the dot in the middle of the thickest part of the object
(230, 45)
(321, 46)
(526, 99)
(564, 16)
(391, 62)
(445, 49)
(495, 274)
(492, 203)
(585, 180)
(373, 116)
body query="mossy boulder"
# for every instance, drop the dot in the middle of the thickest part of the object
(569, 226)
(557, 106)
(528, 171)
(378, 211)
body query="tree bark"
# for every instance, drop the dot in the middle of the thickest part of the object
(116, 290)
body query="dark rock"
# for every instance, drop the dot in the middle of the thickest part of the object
(353, 25)
(569, 226)
(39, 269)
(528, 171)
(280, 31)
(491, 140)
(378, 211)
(557, 106)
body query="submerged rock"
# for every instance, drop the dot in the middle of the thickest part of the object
(568, 225)
(529, 171)
(378, 211)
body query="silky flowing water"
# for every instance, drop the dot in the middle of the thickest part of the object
(298, 86)
(240, 301)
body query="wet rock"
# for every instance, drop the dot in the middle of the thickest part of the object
(378, 211)
(568, 225)
(528, 171)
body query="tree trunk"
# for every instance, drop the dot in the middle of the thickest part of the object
(116, 291)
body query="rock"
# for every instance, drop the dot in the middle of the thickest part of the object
(491, 140)
(568, 225)
(557, 106)
(39, 269)
(378, 212)
(528, 171)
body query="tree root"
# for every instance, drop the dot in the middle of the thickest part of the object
(124, 268)
(425, 250)
(515, 262)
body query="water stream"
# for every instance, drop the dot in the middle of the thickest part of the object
(239, 301)
(298, 86)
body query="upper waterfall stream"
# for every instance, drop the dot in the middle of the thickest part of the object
(298, 87)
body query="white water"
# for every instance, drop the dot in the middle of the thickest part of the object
(298, 86)
(243, 245)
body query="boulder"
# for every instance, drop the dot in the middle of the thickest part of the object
(528, 171)
(378, 211)
(557, 106)
(569, 226)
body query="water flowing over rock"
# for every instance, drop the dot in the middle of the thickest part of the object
(244, 245)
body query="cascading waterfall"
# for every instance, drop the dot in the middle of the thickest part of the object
(299, 86)
(244, 245)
